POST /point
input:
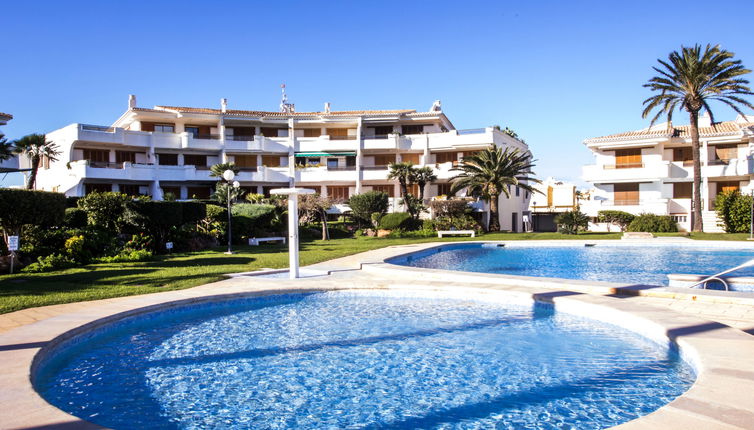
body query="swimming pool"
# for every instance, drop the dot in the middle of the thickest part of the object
(363, 359)
(628, 264)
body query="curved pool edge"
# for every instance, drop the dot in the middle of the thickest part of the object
(723, 356)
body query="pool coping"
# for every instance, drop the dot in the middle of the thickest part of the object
(723, 356)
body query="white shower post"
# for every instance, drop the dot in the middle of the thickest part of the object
(292, 194)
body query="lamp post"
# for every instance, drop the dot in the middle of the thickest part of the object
(228, 175)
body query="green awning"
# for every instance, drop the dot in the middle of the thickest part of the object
(324, 154)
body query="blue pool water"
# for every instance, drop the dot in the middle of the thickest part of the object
(648, 265)
(362, 360)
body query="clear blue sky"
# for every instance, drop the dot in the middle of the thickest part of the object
(556, 72)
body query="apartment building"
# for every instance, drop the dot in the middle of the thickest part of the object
(651, 170)
(554, 198)
(169, 149)
(10, 165)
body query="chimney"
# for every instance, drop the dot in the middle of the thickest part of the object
(327, 107)
(224, 105)
(131, 101)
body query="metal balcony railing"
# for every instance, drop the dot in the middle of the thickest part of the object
(207, 136)
(105, 165)
(336, 168)
(240, 138)
(472, 131)
(100, 128)
(380, 167)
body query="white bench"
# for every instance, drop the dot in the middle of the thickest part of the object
(255, 241)
(441, 233)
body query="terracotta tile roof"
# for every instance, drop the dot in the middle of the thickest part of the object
(7, 115)
(721, 128)
(183, 109)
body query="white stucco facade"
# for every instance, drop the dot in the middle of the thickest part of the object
(164, 149)
(650, 170)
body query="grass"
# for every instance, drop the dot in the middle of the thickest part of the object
(178, 271)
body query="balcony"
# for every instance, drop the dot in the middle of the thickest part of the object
(326, 143)
(323, 174)
(151, 172)
(634, 206)
(733, 167)
(605, 173)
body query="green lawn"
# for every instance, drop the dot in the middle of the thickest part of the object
(99, 281)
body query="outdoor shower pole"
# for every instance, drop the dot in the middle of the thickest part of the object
(292, 194)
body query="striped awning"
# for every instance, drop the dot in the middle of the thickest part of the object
(324, 154)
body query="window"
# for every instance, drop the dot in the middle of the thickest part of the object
(97, 188)
(727, 186)
(199, 192)
(628, 158)
(125, 157)
(240, 133)
(129, 189)
(626, 194)
(167, 159)
(725, 153)
(412, 129)
(443, 189)
(384, 159)
(350, 160)
(338, 193)
(413, 189)
(338, 133)
(175, 191)
(194, 131)
(383, 130)
(679, 218)
(410, 158)
(97, 155)
(245, 161)
(271, 160)
(312, 132)
(308, 161)
(332, 163)
(518, 191)
(446, 157)
(270, 131)
(195, 160)
(682, 190)
(684, 155)
(387, 189)
(164, 128)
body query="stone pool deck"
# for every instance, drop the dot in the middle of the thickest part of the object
(713, 330)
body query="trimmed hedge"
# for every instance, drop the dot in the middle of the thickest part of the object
(251, 219)
(27, 207)
(364, 205)
(652, 223)
(397, 220)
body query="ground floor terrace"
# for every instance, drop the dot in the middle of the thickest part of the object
(715, 331)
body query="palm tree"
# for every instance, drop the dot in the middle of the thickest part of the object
(488, 173)
(688, 80)
(217, 170)
(421, 177)
(403, 172)
(6, 148)
(35, 147)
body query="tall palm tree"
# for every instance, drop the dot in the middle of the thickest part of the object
(6, 148)
(688, 80)
(36, 147)
(403, 172)
(487, 174)
(421, 177)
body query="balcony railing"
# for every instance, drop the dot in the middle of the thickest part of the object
(101, 128)
(376, 136)
(379, 167)
(623, 166)
(207, 136)
(717, 162)
(472, 131)
(336, 168)
(240, 138)
(105, 165)
(342, 137)
(626, 202)
(247, 168)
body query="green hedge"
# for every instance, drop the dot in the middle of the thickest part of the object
(652, 223)
(251, 219)
(397, 220)
(734, 209)
(26, 207)
(364, 205)
(75, 218)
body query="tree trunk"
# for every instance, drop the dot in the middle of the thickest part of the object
(697, 191)
(421, 191)
(33, 174)
(325, 231)
(494, 224)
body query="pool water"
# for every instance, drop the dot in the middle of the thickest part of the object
(648, 265)
(362, 360)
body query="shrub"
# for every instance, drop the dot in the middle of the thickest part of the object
(129, 256)
(572, 222)
(734, 209)
(622, 219)
(105, 210)
(76, 249)
(192, 212)
(140, 241)
(653, 224)
(465, 222)
(396, 220)
(214, 223)
(75, 218)
(366, 204)
(157, 218)
(49, 263)
(25, 207)
(448, 208)
(252, 219)
(71, 202)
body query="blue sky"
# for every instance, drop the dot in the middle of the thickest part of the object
(556, 72)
